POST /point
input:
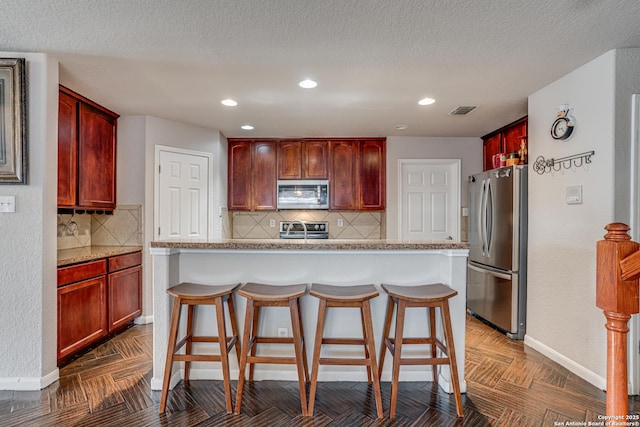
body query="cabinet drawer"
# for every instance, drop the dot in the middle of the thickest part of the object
(80, 272)
(121, 262)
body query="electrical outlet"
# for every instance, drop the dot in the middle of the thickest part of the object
(272, 223)
(283, 332)
(340, 222)
(7, 203)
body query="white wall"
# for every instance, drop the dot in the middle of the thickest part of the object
(137, 138)
(28, 336)
(562, 319)
(469, 150)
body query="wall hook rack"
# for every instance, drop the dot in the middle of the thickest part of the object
(543, 165)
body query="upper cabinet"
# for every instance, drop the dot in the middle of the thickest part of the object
(506, 140)
(355, 168)
(251, 183)
(357, 175)
(86, 153)
(303, 159)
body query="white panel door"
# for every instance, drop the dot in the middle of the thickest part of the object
(429, 199)
(183, 195)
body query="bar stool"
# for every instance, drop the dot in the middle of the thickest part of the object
(346, 297)
(261, 295)
(432, 297)
(191, 294)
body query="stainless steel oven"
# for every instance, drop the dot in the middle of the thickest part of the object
(297, 229)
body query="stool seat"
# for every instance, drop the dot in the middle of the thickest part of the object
(344, 293)
(432, 297)
(188, 290)
(336, 296)
(272, 292)
(420, 293)
(191, 295)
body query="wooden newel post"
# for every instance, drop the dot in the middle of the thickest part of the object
(617, 271)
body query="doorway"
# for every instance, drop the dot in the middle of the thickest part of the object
(182, 202)
(429, 199)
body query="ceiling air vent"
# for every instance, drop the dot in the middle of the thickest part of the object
(462, 110)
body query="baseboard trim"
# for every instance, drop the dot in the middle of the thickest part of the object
(584, 373)
(29, 383)
(143, 320)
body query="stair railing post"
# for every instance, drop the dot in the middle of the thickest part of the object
(618, 299)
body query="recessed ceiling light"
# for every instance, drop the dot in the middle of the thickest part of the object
(308, 84)
(426, 101)
(247, 127)
(229, 102)
(401, 127)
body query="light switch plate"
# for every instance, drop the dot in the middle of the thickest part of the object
(574, 195)
(7, 203)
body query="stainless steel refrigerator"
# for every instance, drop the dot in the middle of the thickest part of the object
(497, 269)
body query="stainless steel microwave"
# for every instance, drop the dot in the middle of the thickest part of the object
(303, 194)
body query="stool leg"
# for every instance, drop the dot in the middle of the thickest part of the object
(254, 332)
(385, 333)
(397, 355)
(451, 352)
(434, 349)
(364, 342)
(297, 341)
(224, 355)
(322, 308)
(234, 325)
(188, 343)
(245, 346)
(173, 337)
(304, 347)
(368, 336)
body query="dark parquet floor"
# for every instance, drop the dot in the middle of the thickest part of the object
(508, 384)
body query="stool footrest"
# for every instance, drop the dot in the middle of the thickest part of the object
(424, 361)
(272, 340)
(196, 358)
(347, 361)
(390, 343)
(272, 360)
(343, 341)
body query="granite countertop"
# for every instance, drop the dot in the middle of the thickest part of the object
(311, 244)
(92, 253)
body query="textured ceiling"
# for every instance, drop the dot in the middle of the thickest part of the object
(373, 59)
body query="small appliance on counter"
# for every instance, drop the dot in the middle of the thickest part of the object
(497, 269)
(299, 230)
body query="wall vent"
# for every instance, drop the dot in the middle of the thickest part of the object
(462, 110)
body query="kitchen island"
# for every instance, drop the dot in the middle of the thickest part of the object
(282, 262)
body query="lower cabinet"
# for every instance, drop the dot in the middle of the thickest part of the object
(97, 299)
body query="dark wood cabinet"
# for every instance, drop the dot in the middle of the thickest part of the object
(124, 289)
(82, 306)
(357, 175)
(95, 300)
(251, 182)
(87, 135)
(303, 159)
(343, 182)
(507, 139)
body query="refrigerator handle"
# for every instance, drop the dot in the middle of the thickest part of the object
(482, 218)
(488, 209)
(490, 272)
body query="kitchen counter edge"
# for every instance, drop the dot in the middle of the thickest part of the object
(92, 253)
(311, 245)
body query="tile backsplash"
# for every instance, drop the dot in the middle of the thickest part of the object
(356, 225)
(122, 228)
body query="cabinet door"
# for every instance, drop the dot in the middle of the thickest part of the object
(490, 147)
(239, 176)
(343, 186)
(67, 150)
(82, 315)
(125, 296)
(96, 159)
(315, 159)
(372, 176)
(513, 136)
(264, 175)
(290, 159)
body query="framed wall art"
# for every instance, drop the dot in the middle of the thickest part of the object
(13, 121)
